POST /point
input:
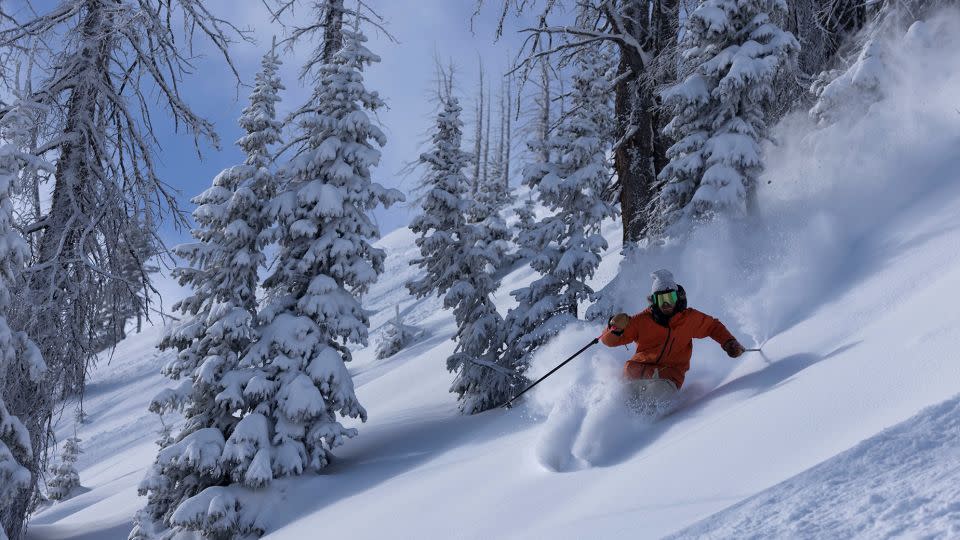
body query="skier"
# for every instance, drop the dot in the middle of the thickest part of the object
(664, 335)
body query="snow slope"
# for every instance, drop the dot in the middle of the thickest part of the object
(903, 482)
(846, 281)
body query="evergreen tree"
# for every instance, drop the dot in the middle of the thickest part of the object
(121, 299)
(326, 261)
(526, 224)
(65, 473)
(217, 330)
(483, 381)
(21, 364)
(443, 203)
(572, 189)
(461, 245)
(719, 110)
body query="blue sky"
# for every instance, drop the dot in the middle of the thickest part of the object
(424, 29)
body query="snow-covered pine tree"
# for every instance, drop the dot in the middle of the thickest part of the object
(486, 210)
(122, 301)
(164, 434)
(65, 473)
(539, 165)
(526, 223)
(217, 330)
(858, 81)
(326, 261)
(483, 381)
(21, 365)
(572, 189)
(443, 203)
(735, 53)
(461, 244)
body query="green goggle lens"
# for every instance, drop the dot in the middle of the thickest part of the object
(669, 297)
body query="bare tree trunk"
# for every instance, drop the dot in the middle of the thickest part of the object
(545, 97)
(502, 185)
(634, 158)
(509, 136)
(635, 155)
(486, 146)
(332, 29)
(641, 151)
(478, 143)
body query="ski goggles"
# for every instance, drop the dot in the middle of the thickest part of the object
(665, 297)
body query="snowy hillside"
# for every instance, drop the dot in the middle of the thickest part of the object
(846, 425)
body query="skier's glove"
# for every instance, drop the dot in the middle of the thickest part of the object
(614, 330)
(612, 326)
(733, 348)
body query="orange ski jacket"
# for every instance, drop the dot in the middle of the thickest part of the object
(665, 350)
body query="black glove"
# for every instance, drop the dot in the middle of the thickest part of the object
(733, 348)
(613, 329)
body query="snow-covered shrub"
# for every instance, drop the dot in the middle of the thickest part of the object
(65, 473)
(850, 90)
(853, 89)
(397, 337)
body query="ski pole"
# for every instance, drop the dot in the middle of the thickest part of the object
(751, 350)
(576, 354)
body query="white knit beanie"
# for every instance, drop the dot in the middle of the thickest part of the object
(662, 281)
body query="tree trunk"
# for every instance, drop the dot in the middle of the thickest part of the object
(544, 126)
(509, 140)
(332, 29)
(486, 144)
(478, 143)
(642, 149)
